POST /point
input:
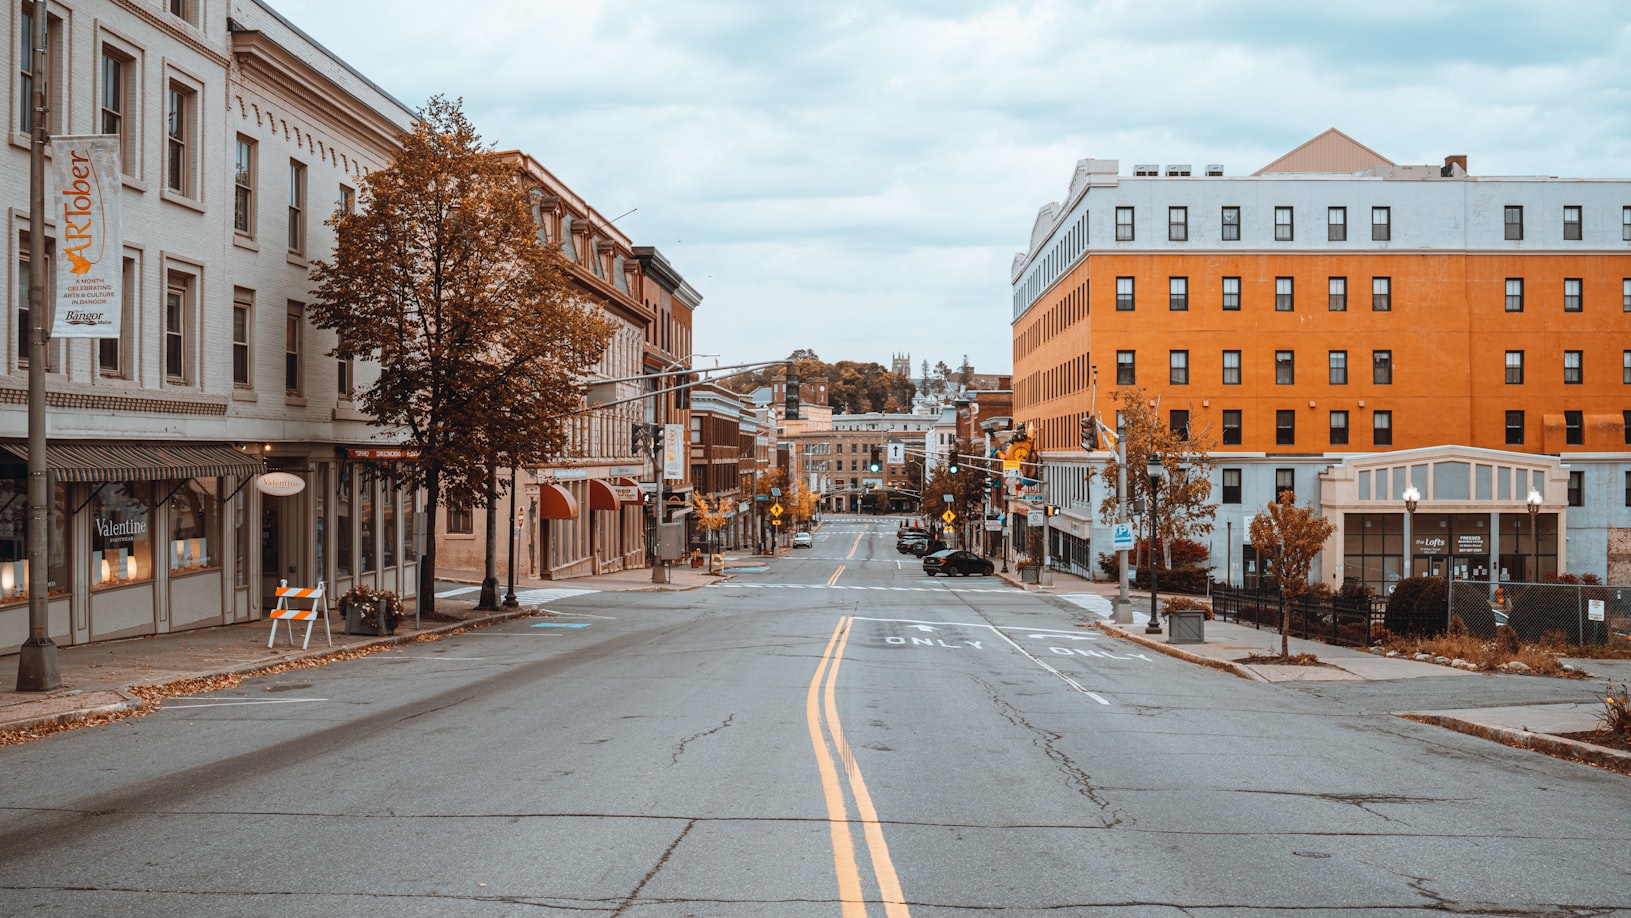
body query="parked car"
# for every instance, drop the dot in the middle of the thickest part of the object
(925, 548)
(903, 543)
(956, 561)
(802, 540)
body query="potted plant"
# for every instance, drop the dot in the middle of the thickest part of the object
(370, 610)
(1186, 620)
(1029, 571)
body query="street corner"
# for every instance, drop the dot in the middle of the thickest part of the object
(1184, 653)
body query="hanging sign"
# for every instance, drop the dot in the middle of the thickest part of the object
(1121, 537)
(90, 245)
(280, 484)
(674, 444)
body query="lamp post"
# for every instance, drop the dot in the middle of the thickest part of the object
(1154, 469)
(1411, 498)
(1534, 533)
(509, 595)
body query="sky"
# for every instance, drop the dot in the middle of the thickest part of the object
(856, 178)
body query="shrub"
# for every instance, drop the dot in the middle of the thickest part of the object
(1185, 604)
(1354, 592)
(1541, 610)
(1400, 617)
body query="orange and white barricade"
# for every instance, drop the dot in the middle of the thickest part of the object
(282, 612)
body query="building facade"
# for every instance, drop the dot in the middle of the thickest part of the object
(1334, 314)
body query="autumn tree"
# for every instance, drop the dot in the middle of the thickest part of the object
(710, 517)
(1185, 505)
(1287, 537)
(968, 488)
(440, 278)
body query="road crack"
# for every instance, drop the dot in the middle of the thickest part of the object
(1076, 778)
(679, 749)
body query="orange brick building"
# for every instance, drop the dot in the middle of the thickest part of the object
(1335, 317)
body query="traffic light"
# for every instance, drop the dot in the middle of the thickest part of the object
(1050, 510)
(953, 467)
(1090, 433)
(874, 464)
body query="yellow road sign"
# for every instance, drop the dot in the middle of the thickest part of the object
(775, 509)
(948, 516)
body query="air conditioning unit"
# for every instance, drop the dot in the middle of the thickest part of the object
(1147, 169)
(1215, 170)
(1178, 170)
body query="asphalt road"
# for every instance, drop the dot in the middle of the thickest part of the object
(832, 734)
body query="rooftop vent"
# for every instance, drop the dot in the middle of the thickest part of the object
(1215, 170)
(1178, 170)
(1147, 169)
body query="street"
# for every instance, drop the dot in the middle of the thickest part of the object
(829, 733)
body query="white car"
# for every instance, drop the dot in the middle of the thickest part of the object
(802, 540)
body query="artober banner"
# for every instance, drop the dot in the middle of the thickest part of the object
(90, 246)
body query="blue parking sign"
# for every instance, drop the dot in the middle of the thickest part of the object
(1121, 537)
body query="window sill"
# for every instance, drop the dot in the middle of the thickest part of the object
(346, 411)
(297, 259)
(177, 198)
(245, 241)
(294, 401)
(133, 183)
(244, 394)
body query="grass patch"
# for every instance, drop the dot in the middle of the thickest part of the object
(1296, 659)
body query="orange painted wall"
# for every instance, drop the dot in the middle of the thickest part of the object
(1448, 331)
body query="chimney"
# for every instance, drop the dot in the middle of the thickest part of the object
(1458, 159)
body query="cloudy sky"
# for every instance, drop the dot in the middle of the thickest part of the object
(855, 177)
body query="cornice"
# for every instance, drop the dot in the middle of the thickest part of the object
(283, 72)
(167, 24)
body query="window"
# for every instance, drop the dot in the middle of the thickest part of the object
(1625, 357)
(1577, 488)
(1231, 427)
(25, 66)
(1178, 294)
(1571, 222)
(1282, 224)
(1339, 368)
(1285, 427)
(116, 98)
(1625, 417)
(1514, 294)
(1126, 369)
(1381, 224)
(1514, 428)
(177, 326)
(1381, 294)
(348, 200)
(1231, 486)
(1628, 486)
(1381, 428)
(110, 358)
(1231, 294)
(1285, 368)
(1574, 428)
(1284, 480)
(1625, 223)
(243, 190)
(297, 207)
(1571, 294)
(460, 521)
(180, 149)
(1338, 294)
(1178, 368)
(1178, 423)
(344, 376)
(195, 526)
(183, 9)
(1571, 368)
(1283, 301)
(1514, 368)
(124, 555)
(1381, 368)
(1124, 294)
(1625, 295)
(1339, 428)
(1124, 224)
(1231, 224)
(242, 307)
(1514, 222)
(1336, 225)
(293, 328)
(1177, 224)
(1231, 368)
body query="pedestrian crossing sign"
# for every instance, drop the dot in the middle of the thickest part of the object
(948, 516)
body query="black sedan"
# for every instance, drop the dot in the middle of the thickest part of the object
(953, 562)
(922, 549)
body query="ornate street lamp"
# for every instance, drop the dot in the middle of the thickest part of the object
(1534, 533)
(1411, 498)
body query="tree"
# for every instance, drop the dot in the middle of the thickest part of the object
(1186, 509)
(710, 517)
(1287, 537)
(481, 344)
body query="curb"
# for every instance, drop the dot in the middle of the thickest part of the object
(1189, 656)
(131, 704)
(1557, 746)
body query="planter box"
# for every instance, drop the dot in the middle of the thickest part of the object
(1030, 574)
(1186, 627)
(354, 624)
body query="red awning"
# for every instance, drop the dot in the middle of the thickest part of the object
(556, 503)
(601, 496)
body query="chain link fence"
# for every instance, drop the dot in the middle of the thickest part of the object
(1572, 613)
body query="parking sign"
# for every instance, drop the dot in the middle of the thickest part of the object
(1121, 537)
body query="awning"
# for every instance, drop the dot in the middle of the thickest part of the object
(556, 503)
(71, 462)
(601, 495)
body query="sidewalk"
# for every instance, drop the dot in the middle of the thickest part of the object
(97, 678)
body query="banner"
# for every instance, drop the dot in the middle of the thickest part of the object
(90, 246)
(675, 446)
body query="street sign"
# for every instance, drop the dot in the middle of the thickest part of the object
(947, 498)
(1011, 465)
(897, 453)
(520, 518)
(948, 516)
(1121, 537)
(1595, 609)
(775, 509)
(1035, 518)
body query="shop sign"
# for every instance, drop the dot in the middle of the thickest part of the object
(371, 453)
(280, 484)
(626, 494)
(1430, 545)
(1473, 544)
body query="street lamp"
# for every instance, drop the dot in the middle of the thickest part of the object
(1534, 533)
(1154, 470)
(1411, 498)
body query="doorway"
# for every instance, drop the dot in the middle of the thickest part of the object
(283, 555)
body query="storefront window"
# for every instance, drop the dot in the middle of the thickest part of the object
(240, 539)
(410, 519)
(342, 522)
(320, 493)
(388, 527)
(14, 542)
(366, 543)
(121, 549)
(195, 527)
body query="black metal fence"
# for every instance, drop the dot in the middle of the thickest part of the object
(1333, 621)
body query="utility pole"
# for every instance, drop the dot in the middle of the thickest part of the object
(1123, 613)
(37, 667)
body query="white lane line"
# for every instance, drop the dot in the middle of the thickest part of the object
(998, 632)
(458, 592)
(227, 704)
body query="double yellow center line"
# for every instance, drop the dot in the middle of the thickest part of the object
(820, 707)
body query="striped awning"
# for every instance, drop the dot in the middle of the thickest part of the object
(70, 462)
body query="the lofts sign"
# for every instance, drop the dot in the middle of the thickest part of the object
(89, 242)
